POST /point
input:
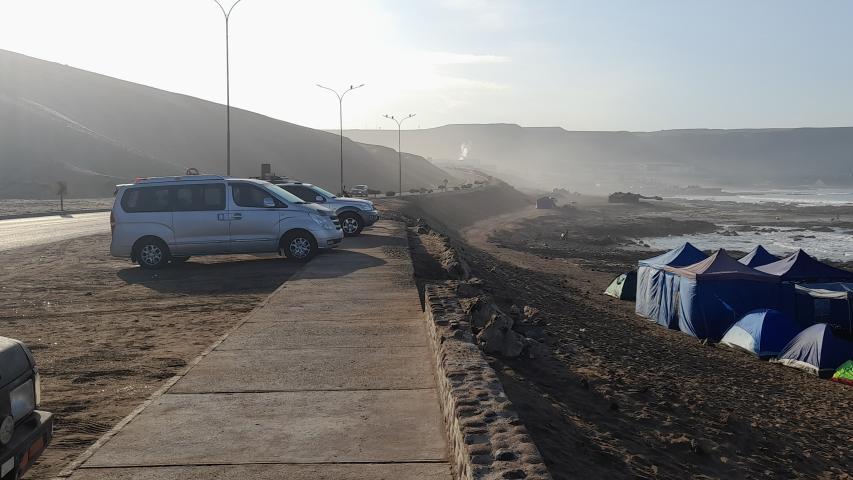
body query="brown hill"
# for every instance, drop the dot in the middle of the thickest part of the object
(61, 123)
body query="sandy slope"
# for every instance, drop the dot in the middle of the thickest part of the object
(620, 397)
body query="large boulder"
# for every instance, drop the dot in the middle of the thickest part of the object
(498, 337)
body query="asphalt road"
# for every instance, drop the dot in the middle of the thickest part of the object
(23, 232)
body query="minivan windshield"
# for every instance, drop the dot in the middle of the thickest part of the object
(323, 192)
(282, 193)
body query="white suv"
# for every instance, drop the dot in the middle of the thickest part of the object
(160, 220)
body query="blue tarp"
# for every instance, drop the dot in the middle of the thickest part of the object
(764, 333)
(817, 350)
(800, 267)
(657, 290)
(714, 293)
(757, 257)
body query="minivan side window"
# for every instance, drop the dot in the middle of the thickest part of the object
(197, 198)
(146, 199)
(304, 193)
(248, 195)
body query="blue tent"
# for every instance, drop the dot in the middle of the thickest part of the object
(830, 303)
(763, 333)
(800, 267)
(657, 290)
(757, 257)
(817, 350)
(714, 293)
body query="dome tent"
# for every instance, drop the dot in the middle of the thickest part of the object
(657, 290)
(714, 293)
(623, 287)
(757, 257)
(844, 374)
(817, 350)
(763, 333)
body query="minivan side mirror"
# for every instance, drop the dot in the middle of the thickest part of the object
(319, 198)
(269, 202)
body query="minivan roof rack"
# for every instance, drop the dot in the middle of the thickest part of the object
(179, 178)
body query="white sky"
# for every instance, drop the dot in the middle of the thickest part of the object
(614, 65)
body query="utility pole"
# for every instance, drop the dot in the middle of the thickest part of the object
(227, 15)
(399, 143)
(341, 118)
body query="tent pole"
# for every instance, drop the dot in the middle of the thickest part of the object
(850, 311)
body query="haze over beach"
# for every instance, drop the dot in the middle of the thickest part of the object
(426, 240)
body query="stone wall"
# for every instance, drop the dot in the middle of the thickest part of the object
(487, 438)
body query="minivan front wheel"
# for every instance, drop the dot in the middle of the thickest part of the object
(351, 224)
(152, 253)
(300, 246)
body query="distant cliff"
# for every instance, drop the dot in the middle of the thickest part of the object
(763, 157)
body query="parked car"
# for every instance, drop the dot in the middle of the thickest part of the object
(162, 220)
(25, 431)
(353, 213)
(359, 191)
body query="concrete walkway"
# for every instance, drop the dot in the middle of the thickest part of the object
(330, 379)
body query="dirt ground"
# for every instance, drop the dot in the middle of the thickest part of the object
(620, 397)
(106, 334)
(12, 208)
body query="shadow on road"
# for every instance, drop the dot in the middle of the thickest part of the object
(243, 273)
(368, 240)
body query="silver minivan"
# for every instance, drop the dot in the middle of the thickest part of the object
(162, 220)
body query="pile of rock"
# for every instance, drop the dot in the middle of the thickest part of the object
(517, 332)
(449, 259)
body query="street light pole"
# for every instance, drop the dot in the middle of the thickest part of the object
(399, 142)
(227, 15)
(341, 118)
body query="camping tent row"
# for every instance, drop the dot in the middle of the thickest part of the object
(703, 296)
(770, 334)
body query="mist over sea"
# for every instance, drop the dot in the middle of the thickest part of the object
(796, 197)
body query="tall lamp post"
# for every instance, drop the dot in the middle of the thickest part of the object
(399, 149)
(227, 87)
(341, 117)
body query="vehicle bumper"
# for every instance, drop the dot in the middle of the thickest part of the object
(328, 238)
(369, 216)
(30, 439)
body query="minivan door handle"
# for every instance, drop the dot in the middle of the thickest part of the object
(237, 216)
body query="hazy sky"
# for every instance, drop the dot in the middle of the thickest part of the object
(603, 65)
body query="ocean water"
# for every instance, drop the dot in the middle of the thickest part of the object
(806, 197)
(835, 245)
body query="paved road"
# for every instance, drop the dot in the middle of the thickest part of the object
(330, 379)
(23, 232)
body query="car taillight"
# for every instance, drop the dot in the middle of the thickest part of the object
(112, 222)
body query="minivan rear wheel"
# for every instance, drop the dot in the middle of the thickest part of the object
(351, 224)
(300, 246)
(152, 253)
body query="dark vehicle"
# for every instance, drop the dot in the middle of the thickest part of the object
(354, 213)
(24, 431)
